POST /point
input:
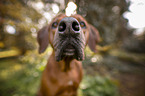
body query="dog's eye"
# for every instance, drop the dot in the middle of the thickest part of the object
(54, 25)
(83, 25)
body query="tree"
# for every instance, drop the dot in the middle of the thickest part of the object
(23, 18)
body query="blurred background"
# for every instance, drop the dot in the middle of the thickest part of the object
(118, 69)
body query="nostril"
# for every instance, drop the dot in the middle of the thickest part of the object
(62, 27)
(75, 26)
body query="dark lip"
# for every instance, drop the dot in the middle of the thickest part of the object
(69, 52)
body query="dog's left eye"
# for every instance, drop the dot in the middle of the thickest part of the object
(83, 25)
(54, 25)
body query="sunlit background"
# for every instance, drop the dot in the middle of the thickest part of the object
(136, 15)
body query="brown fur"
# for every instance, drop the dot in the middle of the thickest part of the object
(58, 79)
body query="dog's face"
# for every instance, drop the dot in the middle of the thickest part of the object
(68, 36)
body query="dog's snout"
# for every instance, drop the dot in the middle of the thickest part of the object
(69, 25)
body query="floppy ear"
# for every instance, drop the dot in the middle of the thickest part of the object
(42, 39)
(94, 38)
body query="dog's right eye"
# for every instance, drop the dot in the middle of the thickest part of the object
(54, 25)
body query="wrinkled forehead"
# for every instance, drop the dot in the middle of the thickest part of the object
(76, 16)
(59, 17)
(79, 18)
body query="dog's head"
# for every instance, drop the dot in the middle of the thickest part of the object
(68, 37)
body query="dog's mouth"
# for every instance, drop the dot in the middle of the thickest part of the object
(69, 50)
(73, 49)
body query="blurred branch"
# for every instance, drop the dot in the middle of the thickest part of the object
(104, 48)
(127, 56)
(10, 53)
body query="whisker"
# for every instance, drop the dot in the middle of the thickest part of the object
(57, 45)
(80, 40)
(78, 43)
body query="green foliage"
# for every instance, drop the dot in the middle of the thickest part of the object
(24, 19)
(23, 82)
(22, 78)
(98, 86)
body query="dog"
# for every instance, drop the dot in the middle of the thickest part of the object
(68, 36)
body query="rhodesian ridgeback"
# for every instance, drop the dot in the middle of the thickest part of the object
(68, 36)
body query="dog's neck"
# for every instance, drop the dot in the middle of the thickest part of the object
(65, 64)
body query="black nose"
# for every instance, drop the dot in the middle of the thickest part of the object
(69, 25)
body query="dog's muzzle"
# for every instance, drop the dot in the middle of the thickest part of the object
(69, 40)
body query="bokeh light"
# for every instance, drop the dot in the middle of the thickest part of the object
(71, 8)
(10, 29)
(55, 8)
(136, 14)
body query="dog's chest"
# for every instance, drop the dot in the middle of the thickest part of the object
(64, 83)
(70, 83)
(67, 83)
(70, 78)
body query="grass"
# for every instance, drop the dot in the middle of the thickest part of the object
(16, 78)
(21, 77)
